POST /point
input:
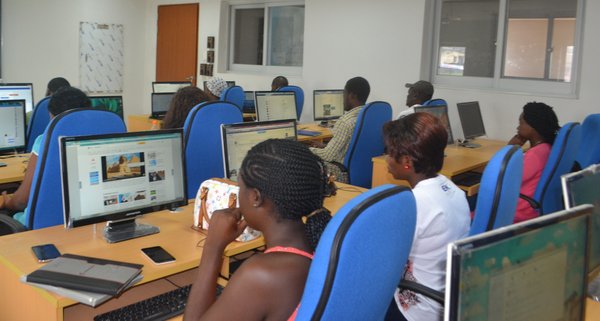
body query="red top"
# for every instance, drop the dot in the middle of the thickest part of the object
(534, 162)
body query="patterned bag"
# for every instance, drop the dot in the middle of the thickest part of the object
(215, 194)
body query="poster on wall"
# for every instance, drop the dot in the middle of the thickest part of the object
(101, 56)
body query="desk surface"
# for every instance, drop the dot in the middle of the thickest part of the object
(176, 236)
(15, 169)
(326, 133)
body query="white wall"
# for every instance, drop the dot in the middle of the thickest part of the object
(41, 41)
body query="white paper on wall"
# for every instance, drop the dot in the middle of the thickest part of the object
(101, 56)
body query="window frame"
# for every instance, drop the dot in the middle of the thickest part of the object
(264, 68)
(549, 88)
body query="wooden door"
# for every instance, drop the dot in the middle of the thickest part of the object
(177, 43)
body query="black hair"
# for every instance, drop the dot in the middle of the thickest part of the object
(293, 178)
(279, 81)
(68, 98)
(182, 102)
(542, 118)
(420, 136)
(57, 83)
(360, 87)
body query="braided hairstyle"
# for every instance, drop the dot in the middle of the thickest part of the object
(183, 101)
(542, 118)
(293, 178)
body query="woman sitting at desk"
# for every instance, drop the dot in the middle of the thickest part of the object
(415, 145)
(538, 125)
(183, 101)
(267, 286)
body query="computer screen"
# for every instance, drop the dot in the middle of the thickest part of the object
(534, 270)
(12, 124)
(18, 91)
(169, 86)
(440, 112)
(120, 176)
(239, 138)
(110, 103)
(273, 105)
(582, 188)
(470, 119)
(328, 104)
(160, 103)
(249, 102)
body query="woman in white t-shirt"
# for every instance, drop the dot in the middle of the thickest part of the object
(415, 146)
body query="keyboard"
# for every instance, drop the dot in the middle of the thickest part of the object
(157, 308)
(467, 178)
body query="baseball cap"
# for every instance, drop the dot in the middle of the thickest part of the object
(422, 86)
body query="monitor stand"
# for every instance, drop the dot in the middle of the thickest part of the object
(324, 123)
(468, 144)
(117, 231)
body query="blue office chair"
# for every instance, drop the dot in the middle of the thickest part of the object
(366, 143)
(234, 95)
(590, 136)
(499, 190)
(38, 122)
(299, 98)
(360, 257)
(45, 206)
(548, 193)
(435, 102)
(203, 147)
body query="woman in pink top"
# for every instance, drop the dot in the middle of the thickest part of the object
(538, 125)
(281, 182)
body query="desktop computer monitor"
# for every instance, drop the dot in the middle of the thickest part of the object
(274, 105)
(18, 91)
(12, 125)
(471, 120)
(110, 103)
(239, 138)
(161, 103)
(117, 177)
(440, 112)
(328, 104)
(168, 86)
(534, 270)
(249, 106)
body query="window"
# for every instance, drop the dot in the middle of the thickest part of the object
(266, 36)
(518, 45)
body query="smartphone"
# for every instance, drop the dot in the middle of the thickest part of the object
(158, 255)
(45, 252)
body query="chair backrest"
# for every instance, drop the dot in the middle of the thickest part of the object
(361, 257)
(234, 95)
(367, 142)
(590, 136)
(203, 147)
(45, 206)
(40, 118)
(435, 102)
(548, 192)
(299, 98)
(499, 190)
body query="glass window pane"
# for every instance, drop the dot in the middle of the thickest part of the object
(525, 54)
(286, 36)
(248, 38)
(563, 43)
(468, 31)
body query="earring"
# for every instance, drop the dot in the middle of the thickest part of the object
(406, 166)
(255, 205)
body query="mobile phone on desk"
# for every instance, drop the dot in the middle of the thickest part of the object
(45, 252)
(158, 255)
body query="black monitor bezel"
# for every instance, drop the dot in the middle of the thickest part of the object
(19, 148)
(315, 92)
(159, 113)
(111, 97)
(462, 121)
(249, 125)
(449, 129)
(486, 238)
(188, 83)
(277, 92)
(23, 84)
(129, 214)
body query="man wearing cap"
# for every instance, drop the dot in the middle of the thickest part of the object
(418, 93)
(214, 88)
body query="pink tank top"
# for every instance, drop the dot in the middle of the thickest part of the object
(292, 250)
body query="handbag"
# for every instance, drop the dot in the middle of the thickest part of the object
(216, 194)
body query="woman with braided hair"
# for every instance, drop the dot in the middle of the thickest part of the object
(538, 125)
(281, 184)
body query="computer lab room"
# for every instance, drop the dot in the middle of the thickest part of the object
(299, 160)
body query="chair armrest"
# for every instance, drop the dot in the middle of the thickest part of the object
(9, 225)
(533, 203)
(421, 289)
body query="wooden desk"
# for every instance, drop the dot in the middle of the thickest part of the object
(458, 160)
(138, 123)
(326, 133)
(24, 302)
(14, 171)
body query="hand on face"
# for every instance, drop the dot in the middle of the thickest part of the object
(225, 226)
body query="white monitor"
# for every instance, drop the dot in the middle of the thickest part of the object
(12, 125)
(328, 104)
(239, 138)
(169, 86)
(274, 105)
(18, 91)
